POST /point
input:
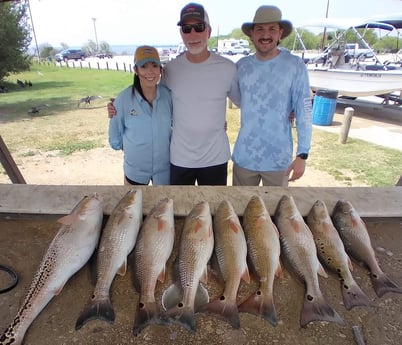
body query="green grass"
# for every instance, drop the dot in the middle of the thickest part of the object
(359, 160)
(63, 129)
(60, 88)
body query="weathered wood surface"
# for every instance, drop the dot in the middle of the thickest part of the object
(56, 199)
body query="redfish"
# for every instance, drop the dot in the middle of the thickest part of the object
(357, 243)
(332, 253)
(70, 249)
(299, 249)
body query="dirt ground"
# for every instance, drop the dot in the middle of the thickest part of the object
(24, 241)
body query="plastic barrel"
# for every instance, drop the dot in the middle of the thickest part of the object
(324, 106)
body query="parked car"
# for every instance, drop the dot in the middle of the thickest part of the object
(70, 54)
(238, 50)
(104, 55)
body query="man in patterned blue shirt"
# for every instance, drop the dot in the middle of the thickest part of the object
(273, 83)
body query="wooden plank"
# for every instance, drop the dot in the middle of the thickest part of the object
(56, 199)
(9, 164)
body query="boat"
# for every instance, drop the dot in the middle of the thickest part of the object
(352, 76)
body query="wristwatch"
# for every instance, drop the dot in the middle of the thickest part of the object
(303, 156)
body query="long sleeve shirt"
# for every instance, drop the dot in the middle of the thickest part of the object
(143, 133)
(270, 90)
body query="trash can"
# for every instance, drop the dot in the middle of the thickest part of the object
(324, 105)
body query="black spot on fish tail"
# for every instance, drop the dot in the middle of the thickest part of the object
(183, 316)
(97, 310)
(317, 309)
(228, 310)
(353, 296)
(383, 284)
(259, 305)
(147, 313)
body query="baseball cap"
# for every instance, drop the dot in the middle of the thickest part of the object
(145, 54)
(193, 11)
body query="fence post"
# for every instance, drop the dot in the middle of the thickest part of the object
(124, 64)
(347, 120)
(89, 64)
(117, 66)
(107, 65)
(130, 68)
(98, 65)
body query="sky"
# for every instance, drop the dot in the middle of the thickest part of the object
(154, 22)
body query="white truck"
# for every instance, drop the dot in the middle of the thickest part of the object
(355, 52)
(233, 46)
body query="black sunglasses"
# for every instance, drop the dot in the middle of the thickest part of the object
(199, 27)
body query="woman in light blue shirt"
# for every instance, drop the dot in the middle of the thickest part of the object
(143, 122)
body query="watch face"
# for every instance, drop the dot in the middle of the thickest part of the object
(303, 155)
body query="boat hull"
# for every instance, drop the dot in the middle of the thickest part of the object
(352, 83)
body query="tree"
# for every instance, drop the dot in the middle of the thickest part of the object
(14, 37)
(46, 51)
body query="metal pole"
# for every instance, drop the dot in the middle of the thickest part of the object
(325, 29)
(33, 28)
(96, 36)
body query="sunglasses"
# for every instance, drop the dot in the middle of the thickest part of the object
(199, 27)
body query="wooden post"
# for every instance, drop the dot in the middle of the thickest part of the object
(9, 165)
(347, 120)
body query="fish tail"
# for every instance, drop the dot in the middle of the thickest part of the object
(317, 309)
(228, 310)
(181, 315)
(383, 284)
(147, 313)
(260, 305)
(353, 296)
(96, 310)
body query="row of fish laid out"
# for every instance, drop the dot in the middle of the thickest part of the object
(261, 240)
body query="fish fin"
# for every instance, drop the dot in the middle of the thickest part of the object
(228, 310)
(96, 310)
(162, 224)
(204, 276)
(172, 296)
(246, 275)
(123, 268)
(68, 219)
(295, 224)
(321, 271)
(201, 297)
(234, 226)
(350, 264)
(279, 272)
(353, 296)
(162, 275)
(382, 284)
(198, 226)
(260, 305)
(317, 309)
(122, 216)
(183, 316)
(147, 313)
